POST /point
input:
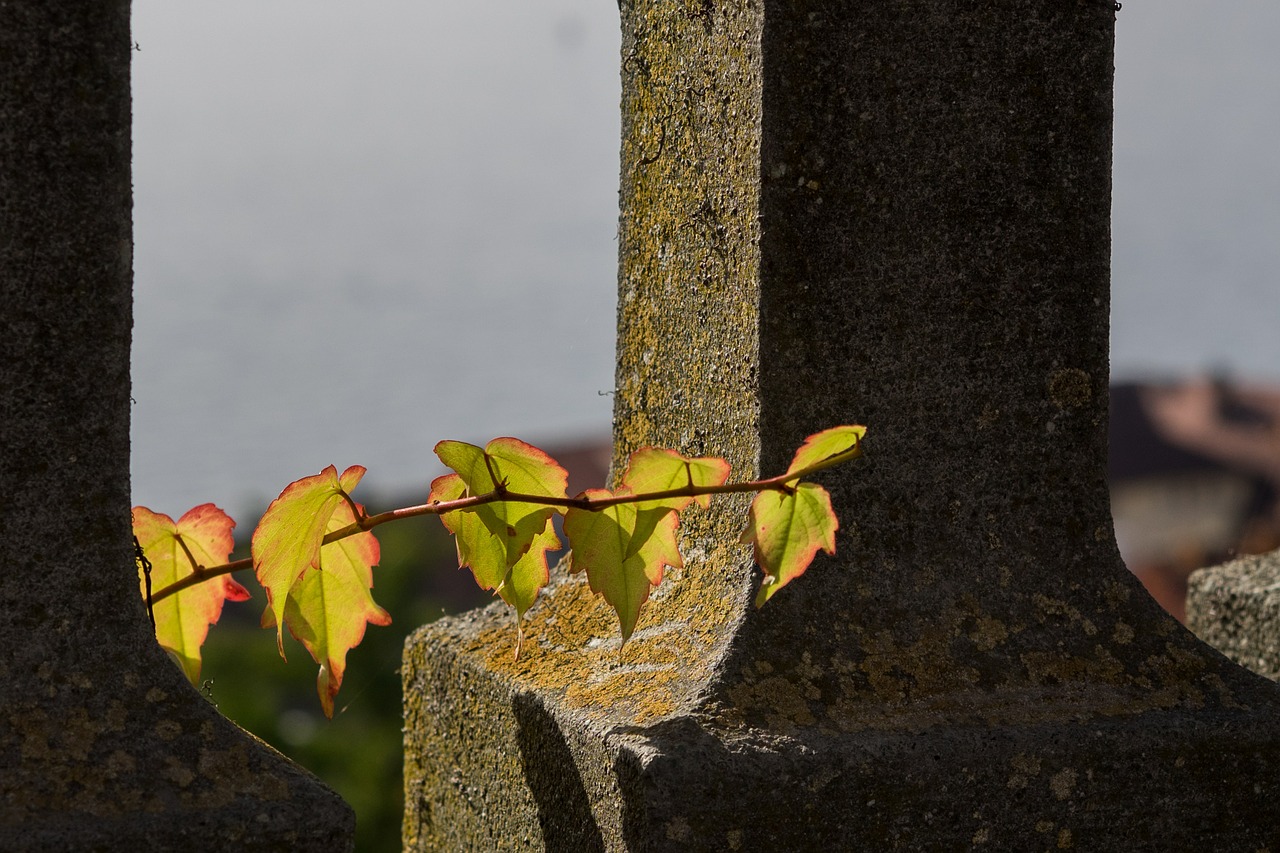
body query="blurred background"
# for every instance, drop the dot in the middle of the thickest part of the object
(363, 229)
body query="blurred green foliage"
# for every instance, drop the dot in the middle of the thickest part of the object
(358, 753)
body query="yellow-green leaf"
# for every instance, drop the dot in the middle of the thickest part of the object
(514, 466)
(787, 529)
(530, 573)
(183, 619)
(486, 555)
(623, 549)
(287, 540)
(827, 448)
(656, 469)
(327, 608)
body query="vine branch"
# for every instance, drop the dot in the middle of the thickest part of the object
(200, 574)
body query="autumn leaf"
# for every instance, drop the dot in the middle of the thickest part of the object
(528, 575)
(787, 529)
(827, 448)
(183, 619)
(656, 469)
(511, 465)
(287, 540)
(327, 609)
(624, 550)
(486, 555)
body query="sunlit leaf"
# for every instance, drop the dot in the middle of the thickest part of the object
(327, 608)
(486, 555)
(478, 549)
(829, 447)
(531, 572)
(656, 469)
(183, 619)
(787, 529)
(287, 541)
(624, 550)
(509, 464)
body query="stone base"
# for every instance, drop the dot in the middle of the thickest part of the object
(493, 765)
(1235, 608)
(144, 763)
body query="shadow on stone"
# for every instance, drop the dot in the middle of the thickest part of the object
(564, 810)
(906, 790)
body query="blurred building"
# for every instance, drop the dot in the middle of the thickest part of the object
(1194, 470)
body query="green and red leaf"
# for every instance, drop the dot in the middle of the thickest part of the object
(624, 550)
(183, 619)
(328, 608)
(286, 543)
(787, 530)
(486, 555)
(504, 465)
(827, 448)
(656, 469)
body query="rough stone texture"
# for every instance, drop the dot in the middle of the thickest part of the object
(1235, 608)
(893, 213)
(103, 744)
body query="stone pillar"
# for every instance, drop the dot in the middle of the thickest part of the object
(897, 214)
(103, 744)
(1235, 608)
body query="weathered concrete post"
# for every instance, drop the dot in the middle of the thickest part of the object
(894, 213)
(103, 744)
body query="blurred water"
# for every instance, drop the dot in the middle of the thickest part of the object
(362, 229)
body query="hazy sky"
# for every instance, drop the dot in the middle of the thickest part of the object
(363, 228)
(1196, 210)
